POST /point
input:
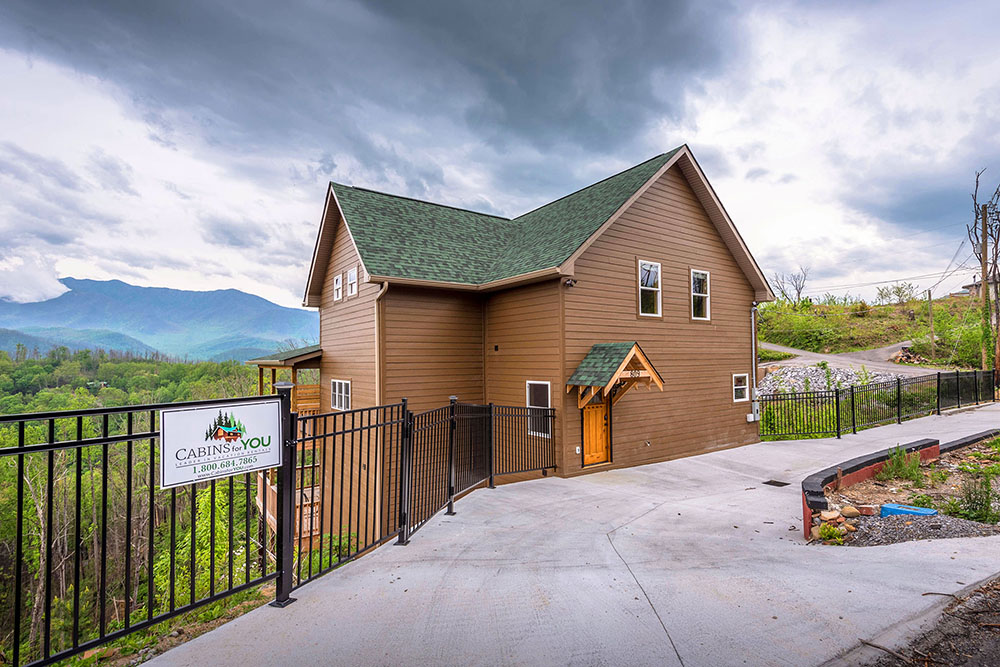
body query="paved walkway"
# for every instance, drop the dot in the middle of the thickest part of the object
(687, 562)
(874, 360)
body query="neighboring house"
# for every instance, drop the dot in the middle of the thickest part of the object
(973, 289)
(638, 281)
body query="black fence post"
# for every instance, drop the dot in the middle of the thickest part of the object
(452, 424)
(490, 443)
(854, 416)
(405, 474)
(836, 404)
(977, 378)
(284, 535)
(958, 388)
(938, 406)
(899, 400)
(993, 384)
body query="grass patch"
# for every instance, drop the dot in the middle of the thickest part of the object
(764, 355)
(902, 466)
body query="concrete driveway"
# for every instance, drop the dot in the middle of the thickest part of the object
(874, 360)
(688, 562)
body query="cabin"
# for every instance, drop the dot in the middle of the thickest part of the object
(628, 306)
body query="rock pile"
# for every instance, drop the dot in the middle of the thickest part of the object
(908, 356)
(840, 525)
(813, 378)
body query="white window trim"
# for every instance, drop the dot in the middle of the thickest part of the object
(527, 402)
(340, 400)
(745, 387)
(352, 285)
(707, 294)
(338, 287)
(658, 290)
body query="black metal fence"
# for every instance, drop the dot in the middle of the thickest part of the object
(850, 409)
(92, 548)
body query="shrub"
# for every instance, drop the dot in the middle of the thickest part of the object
(922, 500)
(901, 466)
(830, 533)
(978, 499)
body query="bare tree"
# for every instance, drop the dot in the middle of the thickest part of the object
(790, 286)
(798, 281)
(780, 283)
(992, 278)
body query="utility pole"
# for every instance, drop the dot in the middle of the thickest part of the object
(984, 290)
(930, 317)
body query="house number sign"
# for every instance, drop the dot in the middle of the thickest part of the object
(220, 440)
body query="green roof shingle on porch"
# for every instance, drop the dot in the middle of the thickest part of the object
(599, 366)
(408, 238)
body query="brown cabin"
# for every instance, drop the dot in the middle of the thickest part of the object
(627, 306)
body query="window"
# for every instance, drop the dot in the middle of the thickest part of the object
(700, 307)
(352, 281)
(649, 288)
(537, 396)
(338, 286)
(340, 394)
(741, 388)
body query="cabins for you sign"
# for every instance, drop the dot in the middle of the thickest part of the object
(203, 443)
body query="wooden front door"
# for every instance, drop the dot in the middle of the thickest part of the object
(596, 443)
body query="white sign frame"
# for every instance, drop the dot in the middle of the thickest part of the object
(181, 440)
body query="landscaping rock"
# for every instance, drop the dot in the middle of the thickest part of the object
(814, 533)
(869, 510)
(829, 515)
(813, 378)
(875, 531)
(850, 511)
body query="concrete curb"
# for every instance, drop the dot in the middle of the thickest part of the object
(899, 635)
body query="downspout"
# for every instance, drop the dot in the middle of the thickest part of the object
(378, 344)
(753, 364)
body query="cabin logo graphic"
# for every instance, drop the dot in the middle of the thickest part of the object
(225, 427)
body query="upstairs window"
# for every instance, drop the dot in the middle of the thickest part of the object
(538, 397)
(649, 288)
(352, 281)
(741, 388)
(338, 287)
(340, 394)
(700, 306)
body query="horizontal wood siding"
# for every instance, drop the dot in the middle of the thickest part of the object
(347, 327)
(433, 347)
(695, 412)
(524, 324)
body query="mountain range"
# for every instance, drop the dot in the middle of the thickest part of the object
(113, 315)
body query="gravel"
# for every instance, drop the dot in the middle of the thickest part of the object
(874, 531)
(813, 378)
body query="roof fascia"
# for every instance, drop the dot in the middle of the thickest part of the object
(493, 285)
(314, 292)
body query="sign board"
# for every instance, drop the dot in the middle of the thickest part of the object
(219, 440)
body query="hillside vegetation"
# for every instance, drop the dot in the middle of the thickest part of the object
(846, 324)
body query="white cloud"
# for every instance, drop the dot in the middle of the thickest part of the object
(830, 116)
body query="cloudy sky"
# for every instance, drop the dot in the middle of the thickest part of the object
(188, 144)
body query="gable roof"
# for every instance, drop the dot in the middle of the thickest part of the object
(408, 240)
(600, 364)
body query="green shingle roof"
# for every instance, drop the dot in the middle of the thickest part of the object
(600, 364)
(286, 355)
(407, 238)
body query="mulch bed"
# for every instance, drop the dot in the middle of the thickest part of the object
(967, 633)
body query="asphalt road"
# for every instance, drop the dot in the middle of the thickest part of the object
(873, 360)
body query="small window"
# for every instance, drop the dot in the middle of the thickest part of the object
(649, 288)
(537, 396)
(338, 287)
(700, 306)
(340, 394)
(352, 281)
(741, 388)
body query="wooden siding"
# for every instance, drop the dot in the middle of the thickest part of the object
(347, 326)
(695, 412)
(433, 347)
(525, 324)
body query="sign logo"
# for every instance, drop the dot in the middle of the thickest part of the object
(210, 442)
